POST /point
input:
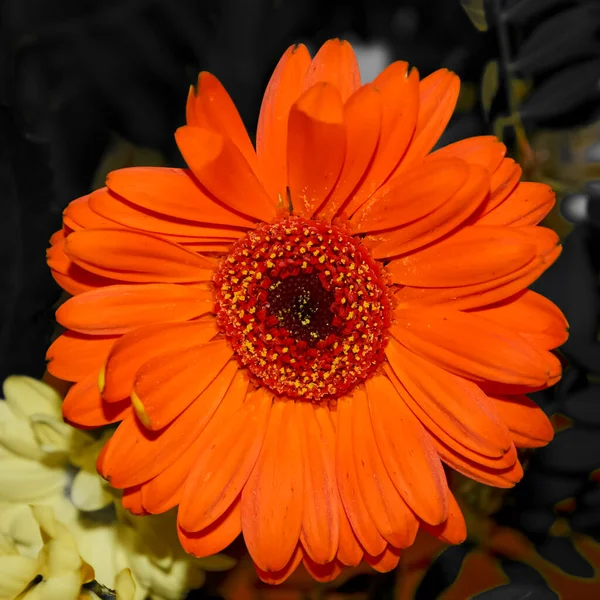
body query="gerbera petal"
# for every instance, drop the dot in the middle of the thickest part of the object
(118, 309)
(335, 63)
(166, 385)
(73, 355)
(400, 105)
(135, 256)
(438, 94)
(83, 405)
(322, 572)
(316, 146)
(528, 424)
(392, 517)
(348, 483)
(175, 193)
(362, 116)
(478, 295)
(401, 201)
(473, 347)
(283, 90)
(209, 106)
(533, 316)
(320, 519)
(273, 497)
(454, 529)
(502, 183)
(447, 402)
(484, 150)
(134, 455)
(509, 472)
(78, 215)
(132, 500)
(139, 346)
(277, 577)
(410, 459)
(446, 218)
(222, 169)
(223, 467)
(350, 552)
(386, 561)
(215, 537)
(166, 489)
(470, 256)
(528, 204)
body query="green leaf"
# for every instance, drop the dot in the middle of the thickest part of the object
(489, 85)
(475, 10)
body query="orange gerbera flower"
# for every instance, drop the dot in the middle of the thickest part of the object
(296, 338)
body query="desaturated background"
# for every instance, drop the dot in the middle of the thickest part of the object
(87, 86)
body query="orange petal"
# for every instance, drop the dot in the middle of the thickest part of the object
(449, 405)
(322, 572)
(454, 529)
(120, 308)
(510, 472)
(362, 116)
(335, 63)
(407, 199)
(502, 183)
(400, 105)
(273, 497)
(209, 106)
(222, 169)
(386, 561)
(483, 294)
(535, 317)
(166, 489)
(528, 204)
(470, 256)
(320, 519)
(448, 216)
(215, 537)
(349, 485)
(283, 90)
(83, 405)
(106, 202)
(277, 577)
(484, 150)
(410, 459)
(135, 455)
(473, 347)
(316, 146)
(136, 256)
(167, 384)
(73, 355)
(142, 344)
(172, 192)
(350, 552)
(223, 467)
(132, 500)
(438, 94)
(392, 517)
(528, 424)
(79, 215)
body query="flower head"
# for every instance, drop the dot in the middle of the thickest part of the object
(295, 338)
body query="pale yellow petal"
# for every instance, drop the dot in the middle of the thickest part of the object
(65, 587)
(124, 585)
(89, 492)
(27, 481)
(28, 396)
(16, 573)
(16, 435)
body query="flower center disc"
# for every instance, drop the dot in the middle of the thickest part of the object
(305, 308)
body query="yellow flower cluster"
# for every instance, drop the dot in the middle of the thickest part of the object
(62, 526)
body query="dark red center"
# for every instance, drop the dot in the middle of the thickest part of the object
(305, 308)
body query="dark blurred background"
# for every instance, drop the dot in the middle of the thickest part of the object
(87, 86)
